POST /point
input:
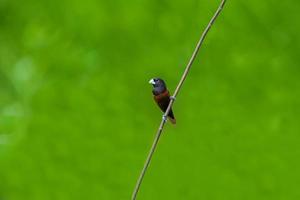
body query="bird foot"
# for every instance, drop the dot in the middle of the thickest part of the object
(164, 117)
(173, 98)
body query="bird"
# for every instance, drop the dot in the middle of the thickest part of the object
(162, 96)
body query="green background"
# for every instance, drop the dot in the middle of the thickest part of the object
(77, 116)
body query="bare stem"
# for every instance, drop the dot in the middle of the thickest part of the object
(184, 75)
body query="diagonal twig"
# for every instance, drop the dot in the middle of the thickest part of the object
(184, 75)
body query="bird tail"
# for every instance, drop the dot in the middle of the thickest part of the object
(171, 117)
(172, 120)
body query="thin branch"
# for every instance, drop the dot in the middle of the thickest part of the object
(163, 121)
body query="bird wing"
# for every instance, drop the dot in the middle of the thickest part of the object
(163, 101)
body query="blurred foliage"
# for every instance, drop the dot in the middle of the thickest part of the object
(77, 116)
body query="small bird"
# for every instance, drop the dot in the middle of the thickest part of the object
(162, 96)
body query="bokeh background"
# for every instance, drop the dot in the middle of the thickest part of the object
(77, 116)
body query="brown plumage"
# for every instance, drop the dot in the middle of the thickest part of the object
(162, 96)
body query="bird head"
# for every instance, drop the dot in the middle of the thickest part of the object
(159, 85)
(157, 82)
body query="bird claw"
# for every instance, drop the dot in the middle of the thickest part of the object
(164, 117)
(173, 98)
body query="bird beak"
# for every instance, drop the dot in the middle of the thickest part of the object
(152, 82)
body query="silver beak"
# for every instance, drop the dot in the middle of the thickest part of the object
(152, 82)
